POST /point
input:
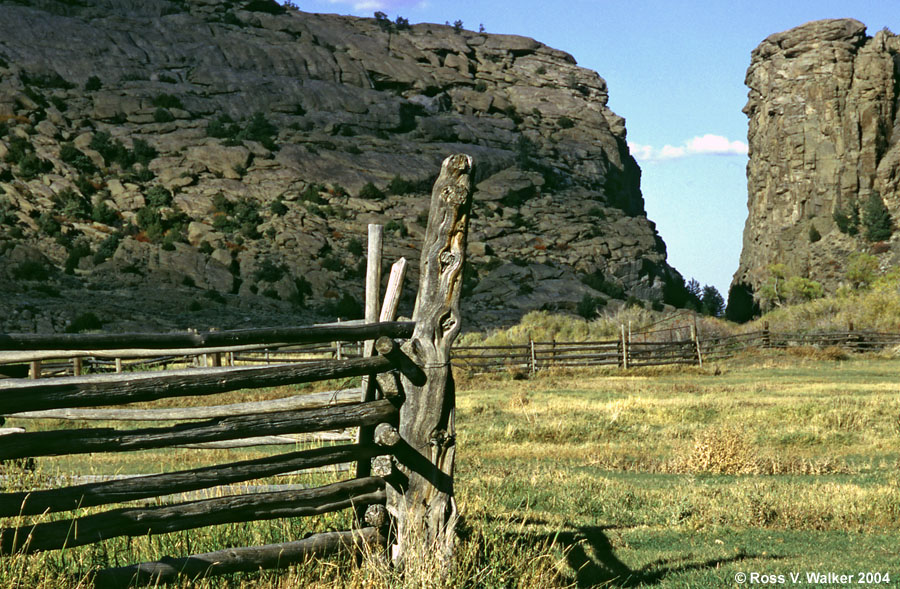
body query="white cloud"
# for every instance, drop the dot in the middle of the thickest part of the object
(708, 144)
(386, 5)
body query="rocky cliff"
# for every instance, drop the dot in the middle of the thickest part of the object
(207, 163)
(824, 140)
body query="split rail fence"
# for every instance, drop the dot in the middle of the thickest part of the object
(397, 466)
(665, 347)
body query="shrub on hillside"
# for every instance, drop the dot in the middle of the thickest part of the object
(371, 192)
(876, 219)
(862, 268)
(93, 84)
(847, 219)
(158, 196)
(31, 166)
(814, 234)
(239, 216)
(399, 185)
(76, 158)
(31, 270)
(84, 322)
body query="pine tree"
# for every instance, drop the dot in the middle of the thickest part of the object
(876, 219)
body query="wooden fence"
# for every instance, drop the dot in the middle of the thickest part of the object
(665, 347)
(402, 412)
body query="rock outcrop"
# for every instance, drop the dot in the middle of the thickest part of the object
(216, 163)
(824, 140)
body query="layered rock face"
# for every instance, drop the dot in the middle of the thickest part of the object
(217, 164)
(824, 138)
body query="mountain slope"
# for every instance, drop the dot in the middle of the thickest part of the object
(228, 155)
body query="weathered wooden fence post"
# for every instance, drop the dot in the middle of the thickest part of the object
(372, 311)
(421, 497)
(695, 338)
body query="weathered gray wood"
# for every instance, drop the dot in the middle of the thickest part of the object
(186, 516)
(142, 487)
(373, 303)
(67, 343)
(79, 441)
(116, 389)
(308, 401)
(394, 289)
(233, 560)
(424, 505)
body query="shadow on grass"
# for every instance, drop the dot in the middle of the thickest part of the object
(590, 555)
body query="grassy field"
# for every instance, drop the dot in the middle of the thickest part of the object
(770, 463)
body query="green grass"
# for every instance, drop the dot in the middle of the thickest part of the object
(770, 463)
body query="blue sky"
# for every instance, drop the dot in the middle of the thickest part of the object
(675, 71)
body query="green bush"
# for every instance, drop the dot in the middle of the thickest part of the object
(588, 306)
(598, 281)
(85, 185)
(76, 158)
(304, 289)
(59, 103)
(269, 271)
(205, 248)
(355, 247)
(876, 219)
(32, 166)
(333, 263)
(158, 196)
(48, 224)
(257, 128)
(278, 208)
(814, 234)
(742, 307)
(48, 81)
(399, 185)
(862, 269)
(347, 307)
(162, 115)
(395, 226)
(311, 194)
(214, 296)
(107, 248)
(80, 249)
(18, 148)
(114, 151)
(143, 152)
(241, 216)
(847, 220)
(371, 192)
(73, 205)
(93, 84)
(223, 127)
(565, 122)
(84, 322)
(167, 101)
(31, 270)
(7, 213)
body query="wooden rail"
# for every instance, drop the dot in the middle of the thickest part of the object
(633, 352)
